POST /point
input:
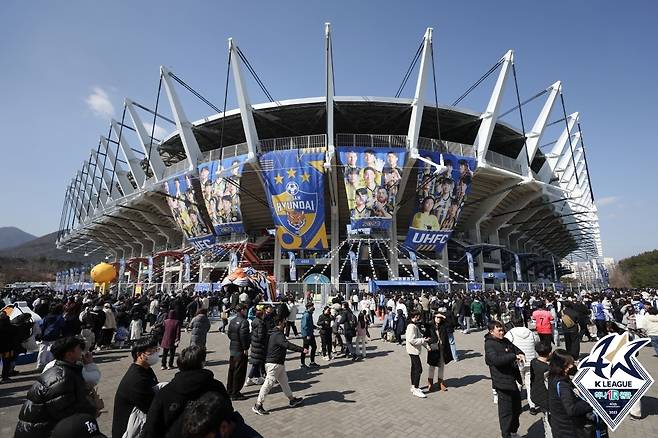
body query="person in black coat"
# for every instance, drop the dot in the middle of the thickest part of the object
(240, 339)
(324, 323)
(277, 346)
(191, 382)
(136, 389)
(572, 334)
(502, 357)
(259, 334)
(569, 413)
(58, 393)
(439, 353)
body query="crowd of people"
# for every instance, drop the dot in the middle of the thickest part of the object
(523, 335)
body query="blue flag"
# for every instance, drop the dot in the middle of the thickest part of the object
(294, 180)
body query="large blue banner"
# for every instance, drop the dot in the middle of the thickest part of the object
(372, 178)
(439, 200)
(188, 212)
(294, 180)
(220, 185)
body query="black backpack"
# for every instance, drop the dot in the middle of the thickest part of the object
(349, 326)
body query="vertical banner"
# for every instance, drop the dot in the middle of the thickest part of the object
(58, 280)
(471, 268)
(517, 267)
(414, 264)
(554, 269)
(372, 178)
(186, 272)
(293, 267)
(122, 269)
(189, 211)
(150, 269)
(294, 181)
(233, 261)
(439, 200)
(220, 186)
(82, 274)
(354, 266)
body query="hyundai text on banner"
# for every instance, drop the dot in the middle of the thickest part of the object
(439, 200)
(220, 186)
(372, 180)
(294, 180)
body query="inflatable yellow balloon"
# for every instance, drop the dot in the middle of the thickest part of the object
(103, 273)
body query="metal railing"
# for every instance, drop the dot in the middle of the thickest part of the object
(225, 152)
(503, 161)
(176, 169)
(400, 141)
(288, 143)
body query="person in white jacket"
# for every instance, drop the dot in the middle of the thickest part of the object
(414, 343)
(525, 340)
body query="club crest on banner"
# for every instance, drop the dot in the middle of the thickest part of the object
(294, 180)
(611, 379)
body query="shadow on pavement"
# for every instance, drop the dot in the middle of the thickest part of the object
(468, 354)
(464, 381)
(322, 397)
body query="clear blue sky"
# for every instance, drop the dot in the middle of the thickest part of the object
(65, 66)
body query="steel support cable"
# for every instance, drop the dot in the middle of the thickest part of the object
(109, 188)
(155, 113)
(407, 74)
(228, 73)
(589, 180)
(527, 208)
(116, 155)
(331, 57)
(566, 122)
(541, 93)
(478, 82)
(539, 220)
(518, 99)
(193, 91)
(436, 95)
(93, 182)
(139, 222)
(253, 73)
(248, 192)
(155, 116)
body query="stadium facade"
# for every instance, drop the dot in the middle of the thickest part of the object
(340, 188)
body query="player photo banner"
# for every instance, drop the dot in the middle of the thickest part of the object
(294, 180)
(188, 210)
(372, 178)
(439, 200)
(220, 186)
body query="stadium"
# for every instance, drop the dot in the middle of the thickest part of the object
(342, 191)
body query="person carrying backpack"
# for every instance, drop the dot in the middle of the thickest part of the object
(349, 321)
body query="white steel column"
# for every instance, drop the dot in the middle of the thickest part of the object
(154, 160)
(184, 126)
(490, 116)
(133, 163)
(417, 106)
(534, 136)
(246, 110)
(558, 158)
(330, 158)
(99, 186)
(122, 175)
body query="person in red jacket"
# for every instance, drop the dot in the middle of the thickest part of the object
(544, 324)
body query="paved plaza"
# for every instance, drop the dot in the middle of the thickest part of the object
(342, 398)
